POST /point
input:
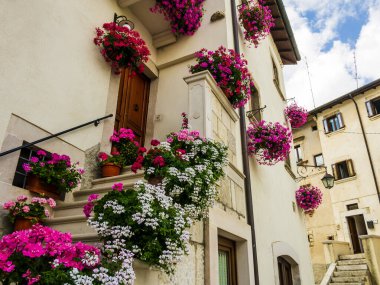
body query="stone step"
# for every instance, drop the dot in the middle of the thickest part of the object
(82, 195)
(92, 238)
(71, 224)
(123, 178)
(351, 267)
(361, 273)
(352, 261)
(344, 283)
(69, 209)
(348, 279)
(352, 256)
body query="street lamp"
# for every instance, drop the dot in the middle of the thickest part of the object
(122, 21)
(305, 171)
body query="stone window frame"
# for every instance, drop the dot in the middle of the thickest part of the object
(285, 251)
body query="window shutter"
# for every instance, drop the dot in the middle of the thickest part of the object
(335, 171)
(325, 126)
(350, 167)
(340, 119)
(369, 106)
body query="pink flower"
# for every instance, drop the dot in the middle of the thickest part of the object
(154, 142)
(34, 159)
(51, 202)
(47, 213)
(169, 140)
(27, 168)
(93, 197)
(102, 156)
(8, 205)
(118, 187)
(26, 209)
(159, 161)
(22, 198)
(41, 153)
(296, 115)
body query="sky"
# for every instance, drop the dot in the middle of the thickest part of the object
(328, 33)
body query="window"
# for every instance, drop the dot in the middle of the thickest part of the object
(299, 155)
(255, 105)
(314, 128)
(343, 169)
(275, 73)
(284, 271)
(333, 123)
(318, 160)
(373, 107)
(227, 262)
(19, 179)
(351, 207)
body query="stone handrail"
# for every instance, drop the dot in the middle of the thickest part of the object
(333, 249)
(371, 246)
(329, 274)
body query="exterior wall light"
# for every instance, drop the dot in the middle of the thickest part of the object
(306, 170)
(122, 21)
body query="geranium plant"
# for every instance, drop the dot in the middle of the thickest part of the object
(257, 20)
(115, 159)
(55, 169)
(126, 145)
(309, 198)
(190, 166)
(42, 255)
(122, 47)
(143, 221)
(36, 209)
(230, 72)
(269, 142)
(297, 115)
(185, 16)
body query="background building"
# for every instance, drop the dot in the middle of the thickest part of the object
(53, 78)
(343, 135)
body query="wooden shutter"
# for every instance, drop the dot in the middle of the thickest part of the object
(350, 168)
(340, 120)
(369, 107)
(326, 126)
(335, 171)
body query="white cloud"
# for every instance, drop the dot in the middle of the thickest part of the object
(332, 70)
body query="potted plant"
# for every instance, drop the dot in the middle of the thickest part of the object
(230, 72)
(52, 175)
(297, 115)
(185, 16)
(257, 20)
(124, 143)
(309, 198)
(111, 165)
(122, 47)
(268, 142)
(24, 215)
(42, 255)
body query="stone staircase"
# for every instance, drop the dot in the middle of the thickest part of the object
(351, 270)
(69, 217)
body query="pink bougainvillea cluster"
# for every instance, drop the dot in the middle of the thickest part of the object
(122, 47)
(309, 197)
(269, 142)
(32, 256)
(230, 71)
(185, 16)
(297, 115)
(256, 19)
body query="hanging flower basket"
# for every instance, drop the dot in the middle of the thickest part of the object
(185, 16)
(297, 115)
(268, 142)
(309, 198)
(257, 20)
(230, 72)
(122, 47)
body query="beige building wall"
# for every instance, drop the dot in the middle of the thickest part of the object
(53, 78)
(330, 219)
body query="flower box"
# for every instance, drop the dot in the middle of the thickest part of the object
(36, 185)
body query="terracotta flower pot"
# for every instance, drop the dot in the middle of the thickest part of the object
(37, 185)
(23, 223)
(155, 180)
(110, 169)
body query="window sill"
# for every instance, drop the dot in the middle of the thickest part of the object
(345, 179)
(336, 132)
(374, 117)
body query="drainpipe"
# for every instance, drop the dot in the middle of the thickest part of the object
(246, 169)
(367, 148)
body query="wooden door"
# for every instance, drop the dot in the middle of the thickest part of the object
(284, 271)
(132, 103)
(354, 234)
